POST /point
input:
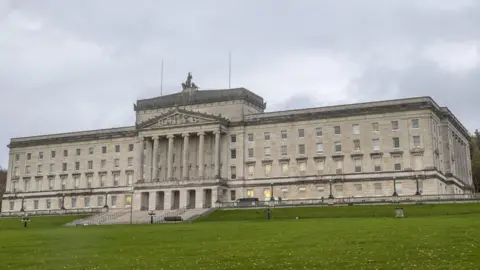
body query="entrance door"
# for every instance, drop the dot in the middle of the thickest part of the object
(175, 199)
(191, 199)
(145, 198)
(207, 198)
(160, 200)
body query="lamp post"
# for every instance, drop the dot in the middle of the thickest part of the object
(131, 205)
(271, 192)
(331, 195)
(395, 186)
(106, 201)
(416, 180)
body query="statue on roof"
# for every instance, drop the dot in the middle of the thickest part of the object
(188, 84)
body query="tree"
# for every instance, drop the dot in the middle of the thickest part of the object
(3, 183)
(475, 153)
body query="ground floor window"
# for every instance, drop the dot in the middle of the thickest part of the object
(12, 206)
(35, 204)
(113, 201)
(233, 195)
(250, 193)
(48, 203)
(74, 202)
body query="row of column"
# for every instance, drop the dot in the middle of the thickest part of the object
(152, 155)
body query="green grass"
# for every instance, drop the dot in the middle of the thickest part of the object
(369, 211)
(424, 241)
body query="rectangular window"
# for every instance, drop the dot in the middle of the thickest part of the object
(35, 204)
(52, 168)
(39, 169)
(250, 152)
(268, 168)
(378, 188)
(65, 153)
(285, 168)
(250, 193)
(76, 182)
(301, 149)
(27, 169)
(52, 154)
(233, 138)
(339, 166)
(250, 137)
(113, 201)
(90, 164)
(415, 123)
(12, 206)
(233, 172)
(130, 179)
(338, 147)
(38, 184)
(77, 165)
(250, 170)
(130, 161)
(79, 151)
(117, 148)
(63, 183)
(131, 147)
(396, 142)
(233, 195)
(116, 180)
(29, 156)
(358, 165)
(233, 153)
(49, 203)
(377, 164)
(100, 201)
(397, 163)
(319, 148)
(17, 157)
(284, 134)
(337, 130)
(86, 202)
(375, 126)
(320, 163)
(104, 149)
(394, 125)
(356, 145)
(266, 136)
(74, 202)
(302, 166)
(90, 151)
(301, 133)
(103, 163)
(267, 151)
(283, 150)
(40, 155)
(116, 162)
(376, 144)
(89, 182)
(356, 129)
(27, 185)
(319, 132)
(416, 141)
(102, 180)
(50, 183)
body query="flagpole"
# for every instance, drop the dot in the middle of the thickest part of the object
(161, 80)
(229, 70)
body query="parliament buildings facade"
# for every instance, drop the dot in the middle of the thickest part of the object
(196, 148)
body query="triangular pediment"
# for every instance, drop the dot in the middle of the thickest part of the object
(179, 117)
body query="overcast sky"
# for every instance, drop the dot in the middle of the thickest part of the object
(79, 65)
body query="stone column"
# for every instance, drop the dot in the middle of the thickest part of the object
(148, 167)
(217, 154)
(140, 159)
(185, 156)
(170, 157)
(155, 159)
(201, 154)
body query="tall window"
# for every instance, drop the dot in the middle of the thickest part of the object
(376, 144)
(65, 153)
(319, 132)
(375, 126)
(266, 136)
(233, 172)
(301, 149)
(396, 142)
(358, 164)
(285, 168)
(250, 152)
(79, 151)
(267, 151)
(301, 133)
(397, 163)
(283, 150)
(52, 154)
(40, 155)
(250, 170)
(283, 134)
(268, 168)
(117, 148)
(250, 137)
(337, 130)
(90, 151)
(415, 123)
(29, 156)
(416, 141)
(319, 148)
(356, 129)
(233, 138)
(233, 153)
(356, 145)
(338, 147)
(104, 149)
(77, 165)
(394, 125)
(130, 147)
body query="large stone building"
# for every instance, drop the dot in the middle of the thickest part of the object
(195, 148)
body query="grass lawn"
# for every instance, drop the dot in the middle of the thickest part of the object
(422, 241)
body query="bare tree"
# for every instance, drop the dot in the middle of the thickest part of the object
(3, 183)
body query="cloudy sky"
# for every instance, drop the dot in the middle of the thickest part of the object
(79, 65)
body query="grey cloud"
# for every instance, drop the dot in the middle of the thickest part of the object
(74, 65)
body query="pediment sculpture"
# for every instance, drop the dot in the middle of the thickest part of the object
(180, 119)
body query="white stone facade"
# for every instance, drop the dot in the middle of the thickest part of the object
(195, 148)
